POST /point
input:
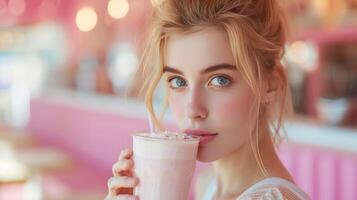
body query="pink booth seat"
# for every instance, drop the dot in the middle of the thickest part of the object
(11, 191)
(322, 173)
(95, 137)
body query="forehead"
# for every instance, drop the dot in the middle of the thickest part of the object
(197, 50)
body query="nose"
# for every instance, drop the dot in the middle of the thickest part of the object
(195, 109)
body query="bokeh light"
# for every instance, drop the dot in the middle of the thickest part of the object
(86, 19)
(303, 54)
(118, 8)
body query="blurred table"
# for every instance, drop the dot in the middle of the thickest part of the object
(23, 163)
(18, 139)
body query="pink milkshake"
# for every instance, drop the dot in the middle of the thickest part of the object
(164, 164)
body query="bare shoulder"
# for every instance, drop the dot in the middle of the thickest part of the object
(203, 180)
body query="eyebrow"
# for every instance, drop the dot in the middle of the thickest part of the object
(205, 71)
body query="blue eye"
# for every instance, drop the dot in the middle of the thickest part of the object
(220, 81)
(177, 82)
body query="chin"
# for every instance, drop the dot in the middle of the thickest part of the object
(204, 156)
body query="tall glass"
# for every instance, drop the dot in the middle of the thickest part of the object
(164, 164)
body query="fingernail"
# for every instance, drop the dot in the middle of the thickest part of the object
(135, 180)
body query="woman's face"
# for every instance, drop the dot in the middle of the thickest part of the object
(206, 93)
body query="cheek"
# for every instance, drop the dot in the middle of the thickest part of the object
(235, 107)
(177, 106)
(174, 103)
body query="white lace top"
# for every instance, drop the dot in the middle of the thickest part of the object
(272, 188)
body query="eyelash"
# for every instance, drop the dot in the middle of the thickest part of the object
(215, 76)
(172, 78)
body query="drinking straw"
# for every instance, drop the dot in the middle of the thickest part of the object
(151, 125)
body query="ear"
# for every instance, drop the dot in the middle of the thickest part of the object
(274, 82)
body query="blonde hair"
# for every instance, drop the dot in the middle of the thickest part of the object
(255, 29)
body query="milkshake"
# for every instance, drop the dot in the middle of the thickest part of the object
(164, 164)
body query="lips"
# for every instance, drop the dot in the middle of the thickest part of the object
(205, 136)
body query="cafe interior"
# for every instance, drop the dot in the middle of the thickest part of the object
(70, 95)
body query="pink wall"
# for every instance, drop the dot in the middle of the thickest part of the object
(96, 138)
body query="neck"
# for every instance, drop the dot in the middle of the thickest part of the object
(237, 171)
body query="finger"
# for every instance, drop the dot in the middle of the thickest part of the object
(126, 153)
(121, 166)
(126, 197)
(120, 185)
(123, 197)
(120, 197)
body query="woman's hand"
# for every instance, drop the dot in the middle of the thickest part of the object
(121, 185)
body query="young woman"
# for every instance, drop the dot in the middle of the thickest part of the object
(221, 62)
